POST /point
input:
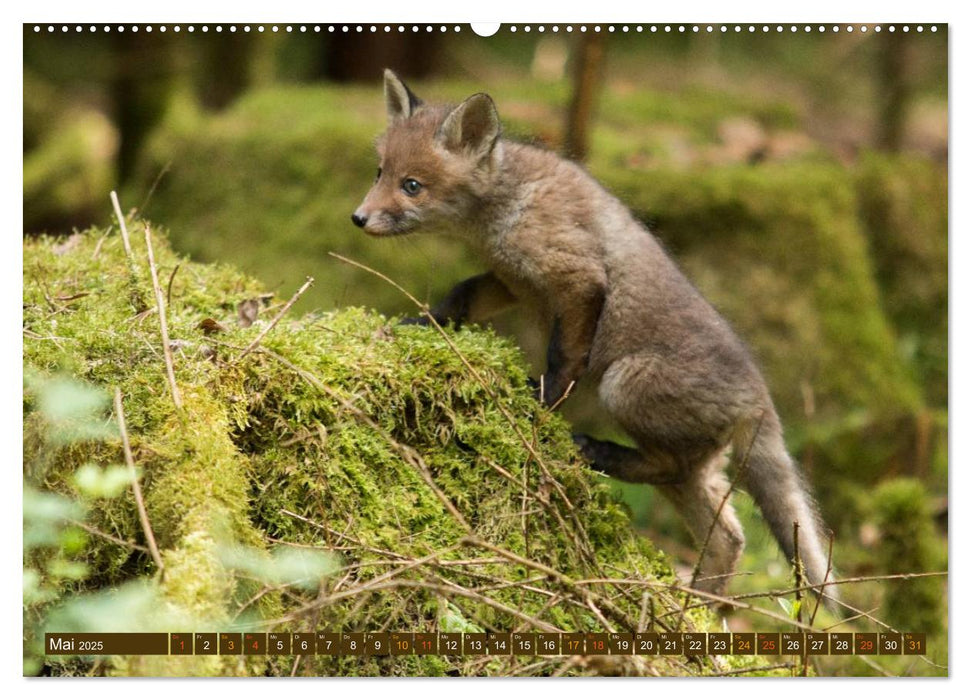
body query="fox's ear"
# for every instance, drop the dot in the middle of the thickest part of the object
(473, 126)
(401, 101)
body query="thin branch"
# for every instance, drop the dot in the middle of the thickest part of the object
(829, 570)
(168, 289)
(704, 595)
(121, 224)
(110, 538)
(797, 562)
(136, 486)
(860, 614)
(451, 589)
(135, 292)
(97, 246)
(163, 324)
(721, 506)
(779, 593)
(589, 596)
(748, 669)
(276, 319)
(566, 395)
(151, 190)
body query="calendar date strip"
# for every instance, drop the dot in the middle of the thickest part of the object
(488, 644)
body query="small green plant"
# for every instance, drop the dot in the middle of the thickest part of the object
(908, 544)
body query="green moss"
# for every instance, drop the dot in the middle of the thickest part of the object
(324, 439)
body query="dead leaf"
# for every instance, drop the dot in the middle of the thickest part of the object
(247, 312)
(382, 333)
(544, 490)
(210, 326)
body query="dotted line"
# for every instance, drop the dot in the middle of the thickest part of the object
(710, 28)
(231, 28)
(415, 28)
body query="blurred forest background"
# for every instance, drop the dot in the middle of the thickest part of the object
(800, 179)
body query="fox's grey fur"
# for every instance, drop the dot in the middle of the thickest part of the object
(670, 369)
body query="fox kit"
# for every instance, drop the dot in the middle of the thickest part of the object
(670, 369)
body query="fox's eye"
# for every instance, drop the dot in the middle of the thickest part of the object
(378, 176)
(411, 186)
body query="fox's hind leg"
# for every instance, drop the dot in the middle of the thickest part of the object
(699, 494)
(628, 464)
(703, 498)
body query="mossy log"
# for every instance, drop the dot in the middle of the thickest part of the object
(448, 500)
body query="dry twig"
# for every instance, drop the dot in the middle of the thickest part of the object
(163, 323)
(276, 319)
(110, 538)
(136, 486)
(121, 224)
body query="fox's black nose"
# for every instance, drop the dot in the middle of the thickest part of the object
(358, 220)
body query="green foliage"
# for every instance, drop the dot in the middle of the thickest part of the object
(96, 482)
(283, 567)
(70, 409)
(903, 206)
(293, 469)
(68, 162)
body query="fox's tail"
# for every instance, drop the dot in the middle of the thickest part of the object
(775, 482)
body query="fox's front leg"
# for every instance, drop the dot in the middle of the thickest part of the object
(572, 337)
(476, 299)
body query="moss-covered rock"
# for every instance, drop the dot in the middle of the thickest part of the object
(449, 500)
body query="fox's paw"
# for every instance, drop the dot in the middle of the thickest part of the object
(585, 444)
(591, 450)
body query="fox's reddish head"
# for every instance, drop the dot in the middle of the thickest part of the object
(434, 162)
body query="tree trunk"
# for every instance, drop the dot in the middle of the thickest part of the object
(140, 88)
(588, 67)
(894, 89)
(363, 57)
